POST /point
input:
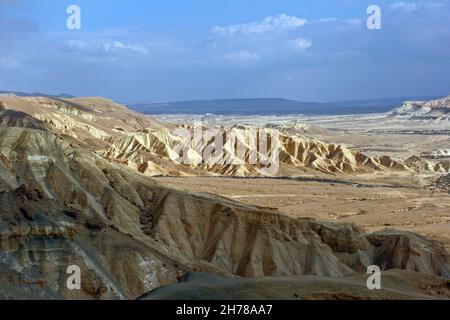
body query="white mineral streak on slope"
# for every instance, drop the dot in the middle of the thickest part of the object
(40, 176)
(152, 272)
(99, 270)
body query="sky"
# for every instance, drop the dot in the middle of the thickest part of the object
(167, 50)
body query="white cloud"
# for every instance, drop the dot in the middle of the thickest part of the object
(352, 21)
(117, 46)
(334, 19)
(276, 23)
(108, 47)
(240, 56)
(323, 20)
(301, 43)
(406, 7)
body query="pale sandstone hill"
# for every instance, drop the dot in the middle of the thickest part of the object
(10, 118)
(297, 127)
(433, 109)
(147, 146)
(61, 205)
(296, 154)
(90, 120)
(443, 103)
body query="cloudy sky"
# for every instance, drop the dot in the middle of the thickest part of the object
(202, 49)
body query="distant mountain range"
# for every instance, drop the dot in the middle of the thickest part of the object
(254, 106)
(24, 94)
(270, 106)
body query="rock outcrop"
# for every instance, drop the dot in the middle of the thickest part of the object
(422, 110)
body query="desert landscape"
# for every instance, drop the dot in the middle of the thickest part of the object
(416, 199)
(90, 182)
(226, 151)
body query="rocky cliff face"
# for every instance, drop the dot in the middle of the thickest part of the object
(434, 109)
(61, 205)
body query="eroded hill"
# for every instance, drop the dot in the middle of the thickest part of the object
(150, 147)
(62, 205)
(422, 110)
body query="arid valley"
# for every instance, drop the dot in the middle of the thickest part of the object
(89, 182)
(225, 159)
(418, 201)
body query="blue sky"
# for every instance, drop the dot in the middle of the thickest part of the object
(201, 49)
